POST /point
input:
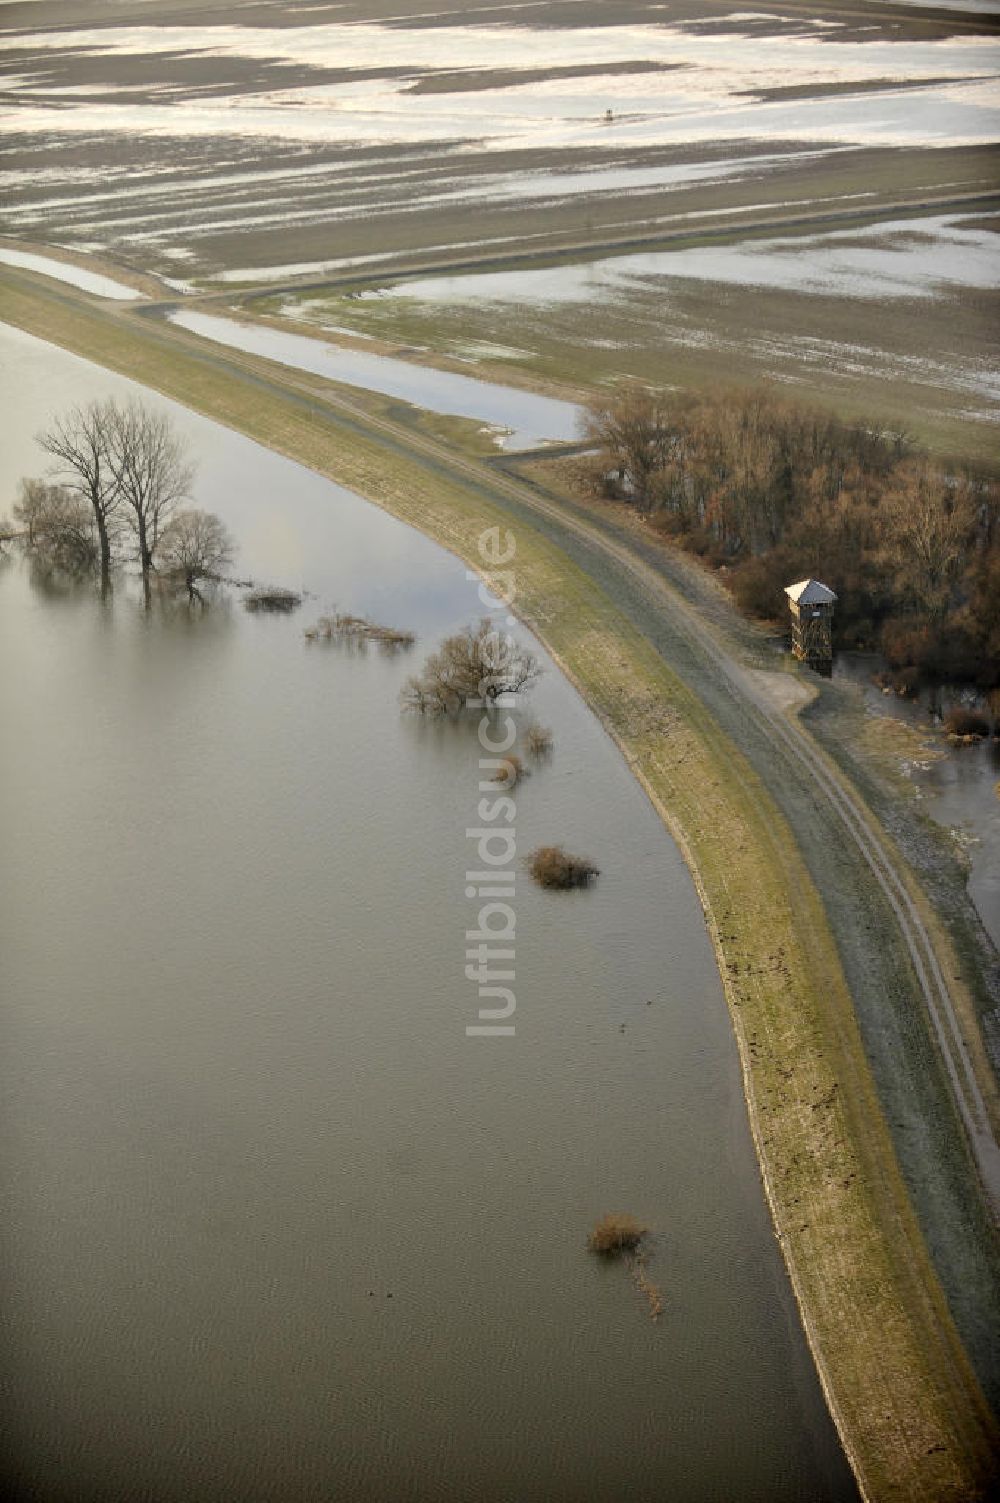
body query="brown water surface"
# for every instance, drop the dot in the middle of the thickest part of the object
(274, 1227)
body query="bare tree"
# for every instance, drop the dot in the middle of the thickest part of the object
(80, 442)
(475, 666)
(636, 435)
(57, 526)
(152, 474)
(930, 522)
(30, 508)
(195, 546)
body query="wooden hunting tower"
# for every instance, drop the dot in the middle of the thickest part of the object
(811, 605)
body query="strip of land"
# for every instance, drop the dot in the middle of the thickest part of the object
(576, 248)
(899, 1382)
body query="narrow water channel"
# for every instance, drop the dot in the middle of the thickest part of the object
(275, 1227)
(523, 419)
(67, 271)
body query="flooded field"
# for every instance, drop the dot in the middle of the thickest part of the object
(896, 319)
(275, 1225)
(200, 141)
(282, 147)
(519, 420)
(912, 258)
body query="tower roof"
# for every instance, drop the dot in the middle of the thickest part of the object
(810, 592)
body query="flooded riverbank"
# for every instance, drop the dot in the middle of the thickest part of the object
(66, 271)
(276, 1224)
(957, 783)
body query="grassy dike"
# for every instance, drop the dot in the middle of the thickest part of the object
(904, 1397)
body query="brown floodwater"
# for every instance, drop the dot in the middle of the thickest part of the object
(274, 1226)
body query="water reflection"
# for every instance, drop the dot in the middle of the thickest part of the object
(58, 584)
(65, 271)
(129, 594)
(530, 419)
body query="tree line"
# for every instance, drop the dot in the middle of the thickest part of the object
(772, 491)
(115, 492)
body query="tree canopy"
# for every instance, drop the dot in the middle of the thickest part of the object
(119, 474)
(774, 490)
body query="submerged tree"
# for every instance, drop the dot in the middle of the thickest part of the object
(81, 445)
(474, 668)
(152, 473)
(127, 465)
(195, 547)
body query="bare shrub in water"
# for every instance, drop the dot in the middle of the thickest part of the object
(551, 866)
(273, 599)
(539, 740)
(343, 627)
(615, 1233)
(479, 665)
(511, 771)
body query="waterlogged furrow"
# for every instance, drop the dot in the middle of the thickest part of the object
(343, 194)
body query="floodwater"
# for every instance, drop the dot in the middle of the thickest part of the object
(275, 1227)
(528, 419)
(961, 787)
(907, 258)
(63, 271)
